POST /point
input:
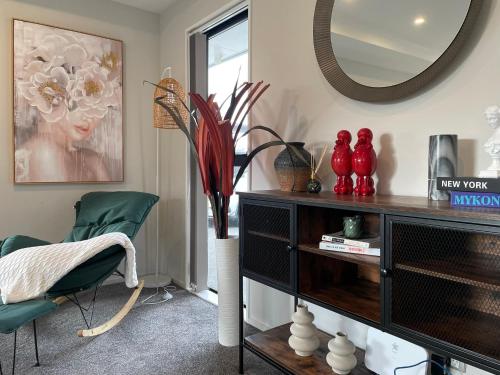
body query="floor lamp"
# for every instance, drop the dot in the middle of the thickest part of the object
(162, 120)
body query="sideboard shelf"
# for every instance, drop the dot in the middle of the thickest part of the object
(436, 282)
(361, 298)
(481, 281)
(353, 258)
(268, 236)
(274, 344)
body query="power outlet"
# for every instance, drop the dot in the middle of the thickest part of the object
(457, 365)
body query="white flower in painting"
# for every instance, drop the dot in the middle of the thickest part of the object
(70, 78)
(91, 92)
(95, 47)
(57, 50)
(100, 51)
(48, 92)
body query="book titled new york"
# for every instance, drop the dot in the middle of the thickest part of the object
(342, 248)
(472, 184)
(469, 199)
(370, 240)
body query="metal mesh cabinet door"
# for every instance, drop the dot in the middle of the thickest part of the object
(266, 243)
(444, 285)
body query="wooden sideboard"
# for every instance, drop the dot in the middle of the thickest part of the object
(436, 283)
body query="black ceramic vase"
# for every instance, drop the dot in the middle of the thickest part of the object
(293, 172)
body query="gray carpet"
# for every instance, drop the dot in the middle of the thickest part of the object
(177, 337)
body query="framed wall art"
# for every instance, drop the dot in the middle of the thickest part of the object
(68, 125)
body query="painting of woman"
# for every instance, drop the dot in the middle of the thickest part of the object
(67, 106)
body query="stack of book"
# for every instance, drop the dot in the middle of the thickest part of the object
(368, 245)
(471, 191)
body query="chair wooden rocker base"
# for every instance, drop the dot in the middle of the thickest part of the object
(115, 319)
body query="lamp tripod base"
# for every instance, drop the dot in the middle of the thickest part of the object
(160, 282)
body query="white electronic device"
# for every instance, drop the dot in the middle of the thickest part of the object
(385, 352)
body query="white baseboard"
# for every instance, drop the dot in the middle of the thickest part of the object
(181, 284)
(258, 324)
(208, 296)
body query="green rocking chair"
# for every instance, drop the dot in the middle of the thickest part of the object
(97, 213)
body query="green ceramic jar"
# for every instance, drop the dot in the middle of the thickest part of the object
(353, 226)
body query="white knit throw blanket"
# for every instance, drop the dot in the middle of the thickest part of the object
(29, 273)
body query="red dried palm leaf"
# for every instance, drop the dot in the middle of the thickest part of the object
(251, 99)
(211, 122)
(213, 142)
(236, 97)
(202, 141)
(227, 158)
(249, 96)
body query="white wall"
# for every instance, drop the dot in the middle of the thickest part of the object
(302, 105)
(45, 211)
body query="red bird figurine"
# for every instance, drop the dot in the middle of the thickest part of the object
(364, 163)
(342, 163)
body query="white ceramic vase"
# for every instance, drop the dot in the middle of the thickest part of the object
(304, 339)
(341, 356)
(228, 288)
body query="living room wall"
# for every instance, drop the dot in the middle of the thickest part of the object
(45, 211)
(302, 106)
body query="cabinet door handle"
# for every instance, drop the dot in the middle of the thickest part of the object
(384, 272)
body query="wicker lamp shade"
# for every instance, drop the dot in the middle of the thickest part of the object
(161, 118)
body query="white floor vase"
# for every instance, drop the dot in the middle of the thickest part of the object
(227, 251)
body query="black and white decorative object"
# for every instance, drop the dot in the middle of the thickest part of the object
(492, 146)
(442, 163)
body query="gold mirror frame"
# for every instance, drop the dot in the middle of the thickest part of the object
(354, 90)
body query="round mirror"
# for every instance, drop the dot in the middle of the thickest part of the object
(376, 50)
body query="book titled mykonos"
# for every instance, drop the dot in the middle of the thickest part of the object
(468, 199)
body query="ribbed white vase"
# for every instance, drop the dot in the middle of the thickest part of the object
(228, 288)
(341, 357)
(304, 339)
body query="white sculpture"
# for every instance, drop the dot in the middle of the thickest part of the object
(341, 357)
(492, 146)
(304, 339)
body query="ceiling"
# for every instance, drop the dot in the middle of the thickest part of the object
(154, 6)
